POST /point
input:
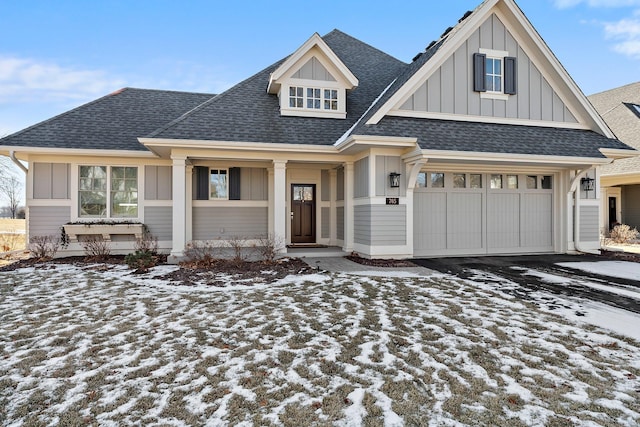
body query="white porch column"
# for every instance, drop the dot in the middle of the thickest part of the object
(189, 204)
(333, 231)
(280, 214)
(348, 208)
(179, 176)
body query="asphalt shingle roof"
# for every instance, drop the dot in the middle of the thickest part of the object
(113, 122)
(247, 113)
(623, 121)
(494, 138)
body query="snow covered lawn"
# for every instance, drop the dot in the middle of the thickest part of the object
(99, 346)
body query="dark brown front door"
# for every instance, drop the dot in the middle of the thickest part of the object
(303, 218)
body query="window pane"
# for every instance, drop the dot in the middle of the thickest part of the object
(437, 180)
(512, 182)
(334, 105)
(292, 91)
(292, 102)
(309, 103)
(532, 182)
(547, 182)
(218, 187)
(496, 181)
(307, 193)
(489, 81)
(497, 84)
(93, 204)
(327, 94)
(124, 192)
(299, 91)
(92, 193)
(475, 180)
(489, 63)
(316, 104)
(459, 180)
(309, 92)
(299, 102)
(497, 66)
(422, 180)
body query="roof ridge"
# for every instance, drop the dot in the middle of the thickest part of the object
(337, 31)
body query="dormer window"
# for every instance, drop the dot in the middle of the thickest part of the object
(313, 98)
(494, 74)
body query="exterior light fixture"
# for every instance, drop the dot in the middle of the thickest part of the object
(394, 180)
(587, 183)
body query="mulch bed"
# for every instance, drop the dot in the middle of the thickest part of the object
(381, 262)
(620, 256)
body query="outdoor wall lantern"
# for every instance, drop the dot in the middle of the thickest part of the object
(394, 180)
(587, 183)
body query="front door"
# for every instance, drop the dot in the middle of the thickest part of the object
(613, 209)
(303, 213)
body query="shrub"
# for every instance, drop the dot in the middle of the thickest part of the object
(95, 248)
(203, 253)
(269, 246)
(238, 246)
(147, 243)
(141, 261)
(623, 234)
(44, 247)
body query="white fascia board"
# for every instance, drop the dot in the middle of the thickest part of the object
(76, 152)
(486, 119)
(380, 141)
(456, 37)
(614, 153)
(508, 157)
(314, 40)
(236, 146)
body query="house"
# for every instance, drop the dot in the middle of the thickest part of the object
(483, 144)
(620, 180)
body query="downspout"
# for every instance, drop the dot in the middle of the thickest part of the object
(12, 156)
(573, 192)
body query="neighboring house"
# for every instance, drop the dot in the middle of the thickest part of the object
(620, 181)
(481, 145)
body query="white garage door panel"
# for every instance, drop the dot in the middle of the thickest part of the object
(537, 228)
(503, 221)
(430, 229)
(464, 227)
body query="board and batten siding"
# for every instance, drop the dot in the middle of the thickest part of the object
(158, 220)
(380, 225)
(227, 222)
(631, 205)
(361, 178)
(157, 182)
(450, 88)
(254, 184)
(384, 166)
(325, 185)
(313, 70)
(325, 223)
(47, 220)
(340, 223)
(51, 180)
(589, 224)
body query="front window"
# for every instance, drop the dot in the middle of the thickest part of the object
(494, 74)
(313, 98)
(114, 187)
(218, 184)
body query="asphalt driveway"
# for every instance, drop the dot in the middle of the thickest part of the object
(518, 269)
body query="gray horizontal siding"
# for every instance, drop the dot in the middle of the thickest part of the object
(158, 220)
(47, 220)
(226, 222)
(380, 225)
(589, 228)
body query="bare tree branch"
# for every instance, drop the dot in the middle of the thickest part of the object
(11, 189)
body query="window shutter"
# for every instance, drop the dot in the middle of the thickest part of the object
(234, 183)
(510, 79)
(202, 182)
(479, 72)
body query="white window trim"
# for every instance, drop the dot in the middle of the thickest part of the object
(495, 54)
(226, 169)
(109, 215)
(305, 98)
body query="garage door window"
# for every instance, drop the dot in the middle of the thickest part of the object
(496, 182)
(437, 180)
(475, 180)
(459, 180)
(532, 182)
(512, 182)
(547, 182)
(421, 182)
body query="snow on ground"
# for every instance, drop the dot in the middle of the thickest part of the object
(621, 269)
(87, 346)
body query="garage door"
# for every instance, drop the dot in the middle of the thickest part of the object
(478, 213)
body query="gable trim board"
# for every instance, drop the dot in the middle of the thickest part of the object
(348, 160)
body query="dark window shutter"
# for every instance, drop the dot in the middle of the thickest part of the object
(202, 182)
(234, 183)
(510, 73)
(479, 72)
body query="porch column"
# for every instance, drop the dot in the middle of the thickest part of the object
(280, 214)
(189, 204)
(333, 231)
(179, 176)
(348, 207)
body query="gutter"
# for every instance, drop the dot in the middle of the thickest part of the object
(12, 156)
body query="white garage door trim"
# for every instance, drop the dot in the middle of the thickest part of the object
(458, 213)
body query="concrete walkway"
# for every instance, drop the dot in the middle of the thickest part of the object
(343, 265)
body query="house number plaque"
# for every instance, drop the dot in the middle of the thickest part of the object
(393, 201)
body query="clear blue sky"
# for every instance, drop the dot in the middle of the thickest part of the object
(56, 55)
